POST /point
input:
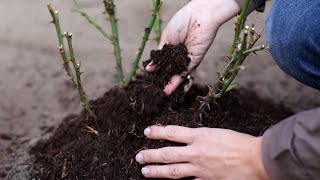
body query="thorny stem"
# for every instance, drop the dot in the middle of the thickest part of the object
(236, 68)
(82, 93)
(157, 24)
(240, 22)
(238, 52)
(110, 9)
(56, 22)
(145, 38)
(79, 9)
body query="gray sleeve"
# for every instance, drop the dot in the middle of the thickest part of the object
(291, 148)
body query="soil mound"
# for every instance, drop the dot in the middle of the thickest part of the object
(104, 148)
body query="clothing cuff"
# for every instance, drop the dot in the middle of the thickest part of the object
(258, 5)
(278, 153)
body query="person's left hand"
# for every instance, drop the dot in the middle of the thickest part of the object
(209, 154)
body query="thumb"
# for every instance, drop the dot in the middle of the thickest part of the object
(177, 79)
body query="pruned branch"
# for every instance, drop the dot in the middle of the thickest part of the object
(110, 8)
(145, 38)
(76, 66)
(56, 22)
(157, 23)
(79, 9)
(76, 79)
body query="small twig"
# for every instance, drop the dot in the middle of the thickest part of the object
(143, 43)
(157, 24)
(56, 22)
(110, 9)
(64, 169)
(92, 130)
(82, 93)
(255, 49)
(79, 9)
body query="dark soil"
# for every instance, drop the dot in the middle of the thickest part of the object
(84, 148)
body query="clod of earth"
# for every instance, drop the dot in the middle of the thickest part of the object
(105, 148)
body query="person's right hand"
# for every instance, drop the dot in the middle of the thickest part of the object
(195, 25)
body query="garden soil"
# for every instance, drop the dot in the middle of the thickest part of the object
(36, 95)
(105, 147)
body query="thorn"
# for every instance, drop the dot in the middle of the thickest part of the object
(241, 67)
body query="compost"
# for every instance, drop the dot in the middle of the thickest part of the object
(104, 148)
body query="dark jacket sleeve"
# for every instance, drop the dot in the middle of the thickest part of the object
(257, 5)
(291, 148)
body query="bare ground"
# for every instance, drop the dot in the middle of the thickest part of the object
(35, 93)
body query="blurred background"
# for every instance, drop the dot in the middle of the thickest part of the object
(35, 93)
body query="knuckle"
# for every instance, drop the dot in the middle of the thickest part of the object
(174, 171)
(146, 156)
(166, 155)
(203, 131)
(157, 171)
(194, 154)
(154, 131)
(170, 132)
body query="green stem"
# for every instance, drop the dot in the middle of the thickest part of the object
(233, 53)
(255, 49)
(157, 24)
(82, 93)
(240, 21)
(235, 69)
(79, 9)
(143, 43)
(56, 22)
(110, 9)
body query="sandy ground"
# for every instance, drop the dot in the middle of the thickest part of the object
(35, 93)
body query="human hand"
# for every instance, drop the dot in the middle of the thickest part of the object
(195, 25)
(209, 154)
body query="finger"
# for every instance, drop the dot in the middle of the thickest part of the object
(172, 171)
(166, 155)
(176, 80)
(151, 67)
(173, 84)
(171, 133)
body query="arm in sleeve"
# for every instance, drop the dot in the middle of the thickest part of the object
(257, 5)
(291, 148)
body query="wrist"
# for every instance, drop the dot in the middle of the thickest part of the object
(220, 11)
(257, 159)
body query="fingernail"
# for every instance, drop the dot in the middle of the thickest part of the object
(145, 171)
(147, 131)
(139, 157)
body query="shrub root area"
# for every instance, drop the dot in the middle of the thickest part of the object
(105, 148)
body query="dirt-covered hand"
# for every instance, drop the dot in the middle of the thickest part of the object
(209, 154)
(195, 25)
